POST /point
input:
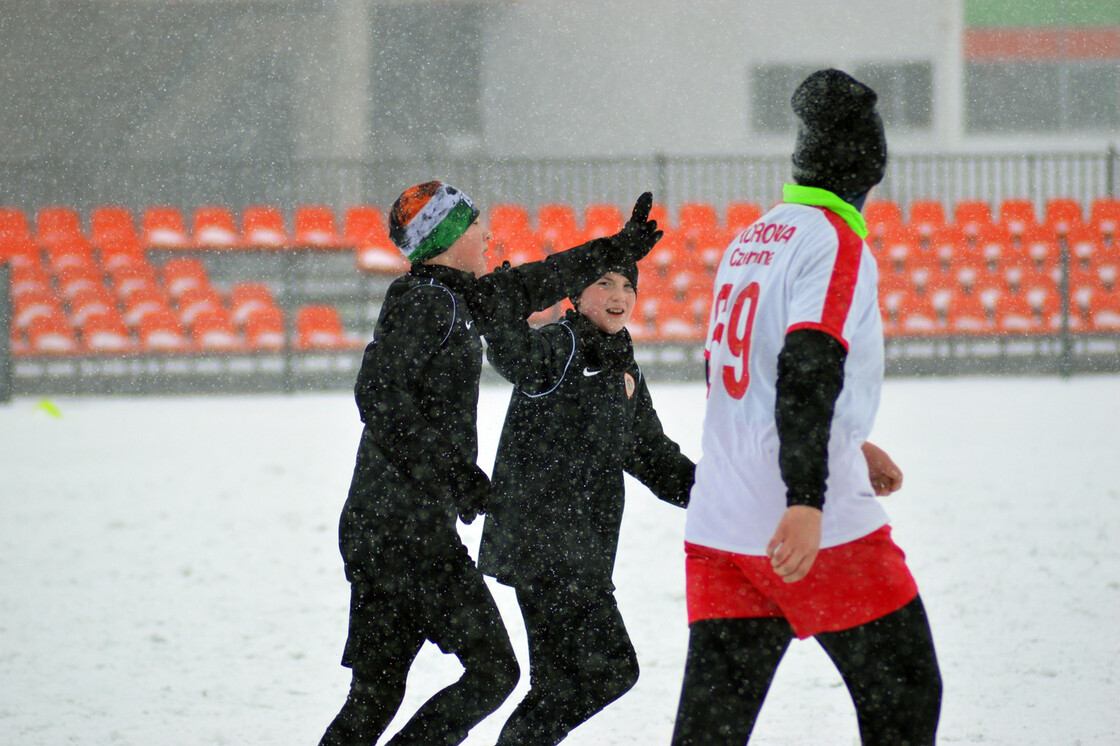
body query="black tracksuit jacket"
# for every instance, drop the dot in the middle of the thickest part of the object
(580, 414)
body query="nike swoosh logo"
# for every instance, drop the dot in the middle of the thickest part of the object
(588, 372)
(470, 324)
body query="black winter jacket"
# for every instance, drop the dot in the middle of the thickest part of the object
(580, 414)
(417, 393)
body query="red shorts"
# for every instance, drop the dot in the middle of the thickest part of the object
(848, 585)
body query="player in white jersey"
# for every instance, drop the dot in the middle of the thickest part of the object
(784, 535)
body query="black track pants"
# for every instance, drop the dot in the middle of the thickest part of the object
(889, 666)
(580, 660)
(389, 623)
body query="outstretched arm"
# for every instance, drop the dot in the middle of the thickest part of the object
(517, 292)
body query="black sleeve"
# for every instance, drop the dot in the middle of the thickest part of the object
(518, 292)
(810, 376)
(656, 460)
(407, 336)
(531, 359)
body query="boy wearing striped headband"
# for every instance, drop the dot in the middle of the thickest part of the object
(412, 579)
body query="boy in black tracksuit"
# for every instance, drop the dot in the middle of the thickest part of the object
(580, 415)
(411, 578)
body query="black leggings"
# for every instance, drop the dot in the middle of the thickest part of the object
(888, 665)
(389, 623)
(580, 660)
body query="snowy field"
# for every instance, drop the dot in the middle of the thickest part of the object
(169, 573)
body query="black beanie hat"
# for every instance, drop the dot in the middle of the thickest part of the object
(840, 142)
(629, 271)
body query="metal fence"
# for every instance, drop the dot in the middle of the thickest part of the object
(33, 183)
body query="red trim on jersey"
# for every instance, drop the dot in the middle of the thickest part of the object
(848, 585)
(842, 285)
(819, 328)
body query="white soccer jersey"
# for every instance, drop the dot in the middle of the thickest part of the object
(799, 266)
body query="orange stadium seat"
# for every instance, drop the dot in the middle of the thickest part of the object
(112, 225)
(127, 279)
(51, 334)
(698, 225)
(508, 217)
(675, 321)
(365, 227)
(916, 316)
(671, 257)
(381, 258)
(195, 300)
(144, 301)
(881, 215)
(972, 216)
(926, 216)
(161, 332)
(314, 226)
(56, 224)
(603, 219)
(69, 251)
(557, 228)
(738, 215)
(247, 298)
(213, 227)
(1062, 214)
(29, 278)
(363, 224)
(19, 251)
(264, 329)
(115, 254)
(1014, 314)
(967, 314)
(320, 327)
(105, 333)
(1017, 216)
(14, 222)
(1041, 245)
(182, 274)
(949, 247)
(262, 226)
(32, 304)
(1105, 312)
(90, 302)
(70, 280)
(163, 227)
(900, 246)
(512, 236)
(212, 330)
(1107, 275)
(1104, 216)
(882, 212)
(1085, 243)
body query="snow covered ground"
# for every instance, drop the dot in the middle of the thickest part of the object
(169, 573)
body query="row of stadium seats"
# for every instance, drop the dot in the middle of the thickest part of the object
(697, 235)
(518, 231)
(98, 290)
(174, 308)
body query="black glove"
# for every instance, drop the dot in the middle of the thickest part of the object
(471, 492)
(640, 234)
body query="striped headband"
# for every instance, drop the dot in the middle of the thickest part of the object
(427, 218)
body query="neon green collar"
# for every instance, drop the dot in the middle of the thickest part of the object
(804, 195)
